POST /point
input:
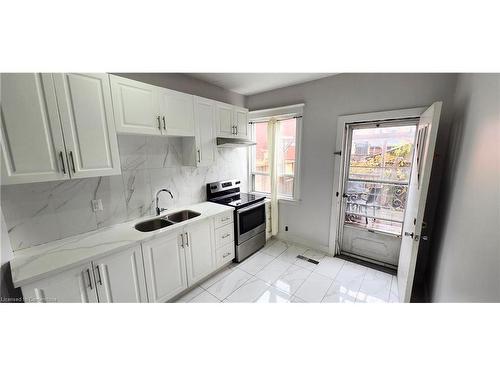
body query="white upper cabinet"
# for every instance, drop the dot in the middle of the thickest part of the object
(165, 266)
(200, 255)
(120, 277)
(136, 106)
(225, 122)
(74, 285)
(31, 136)
(232, 122)
(88, 124)
(177, 113)
(204, 115)
(241, 122)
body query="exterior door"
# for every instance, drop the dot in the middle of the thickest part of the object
(241, 118)
(177, 113)
(224, 118)
(417, 195)
(200, 256)
(204, 115)
(31, 135)
(136, 106)
(120, 277)
(74, 285)
(88, 124)
(165, 266)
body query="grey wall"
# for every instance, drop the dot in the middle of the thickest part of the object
(48, 211)
(325, 100)
(187, 84)
(466, 250)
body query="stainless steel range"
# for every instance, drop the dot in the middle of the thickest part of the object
(249, 215)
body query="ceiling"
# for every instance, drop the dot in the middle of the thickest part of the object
(254, 83)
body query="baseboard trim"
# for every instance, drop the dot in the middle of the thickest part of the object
(284, 236)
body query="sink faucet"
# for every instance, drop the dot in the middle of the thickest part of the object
(158, 209)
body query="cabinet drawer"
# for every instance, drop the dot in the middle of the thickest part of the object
(224, 235)
(224, 254)
(224, 219)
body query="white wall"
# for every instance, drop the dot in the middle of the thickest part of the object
(466, 258)
(325, 100)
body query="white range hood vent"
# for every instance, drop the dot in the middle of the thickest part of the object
(234, 142)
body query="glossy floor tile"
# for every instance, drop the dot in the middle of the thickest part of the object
(275, 275)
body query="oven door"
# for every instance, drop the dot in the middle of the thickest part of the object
(250, 221)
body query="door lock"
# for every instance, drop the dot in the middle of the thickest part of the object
(408, 234)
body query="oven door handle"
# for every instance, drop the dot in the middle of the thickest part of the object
(250, 207)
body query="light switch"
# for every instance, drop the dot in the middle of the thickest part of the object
(96, 205)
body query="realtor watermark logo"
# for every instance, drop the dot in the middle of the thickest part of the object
(27, 300)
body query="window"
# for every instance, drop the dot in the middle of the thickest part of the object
(288, 155)
(378, 176)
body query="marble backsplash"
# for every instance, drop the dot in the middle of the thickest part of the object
(47, 211)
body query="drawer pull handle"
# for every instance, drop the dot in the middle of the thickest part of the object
(226, 235)
(226, 255)
(225, 219)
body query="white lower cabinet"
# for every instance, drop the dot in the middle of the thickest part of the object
(165, 266)
(200, 257)
(153, 271)
(74, 285)
(120, 277)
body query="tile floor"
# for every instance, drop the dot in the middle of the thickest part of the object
(274, 274)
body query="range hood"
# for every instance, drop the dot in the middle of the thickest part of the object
(234, 142)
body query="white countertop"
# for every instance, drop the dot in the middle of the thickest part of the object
(40, 261)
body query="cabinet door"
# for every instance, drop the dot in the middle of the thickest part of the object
(177, 113)
(88, 124)
(31, 135)
(120, 277)
(204, 115)
(241, 119)
(74, 285)
(224, 119)
(136, 106)
(165, 265)
(200, 256)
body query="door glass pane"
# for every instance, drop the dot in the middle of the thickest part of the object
(379, 173)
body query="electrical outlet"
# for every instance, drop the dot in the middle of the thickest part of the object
(286, 228)
(96, 205)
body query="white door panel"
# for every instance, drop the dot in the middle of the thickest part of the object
(177, 113)
(74, 285)
(88, 124)
(205, 131)
(417, 195)
(165, 266)
(31, 135)
(241, 119)
(136, 106)
(200, 255)
(224, 120)
(120, 277)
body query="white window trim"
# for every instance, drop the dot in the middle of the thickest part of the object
(280, 113)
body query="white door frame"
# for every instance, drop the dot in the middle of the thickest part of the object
(339, 160)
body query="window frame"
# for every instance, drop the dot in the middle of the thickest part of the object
(280, 113)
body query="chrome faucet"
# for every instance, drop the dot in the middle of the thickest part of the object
(158, 209)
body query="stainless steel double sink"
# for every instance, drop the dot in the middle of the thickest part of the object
(165, 221)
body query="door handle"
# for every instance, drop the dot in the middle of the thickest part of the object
(187, 239)
(408, 234)
(90, 279)
(159, 122)
(164, 124)
(182, 240)
(72, 161)
(199, 156)
(99, 274)
(62, 162)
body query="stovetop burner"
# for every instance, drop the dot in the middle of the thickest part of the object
(228, 193)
